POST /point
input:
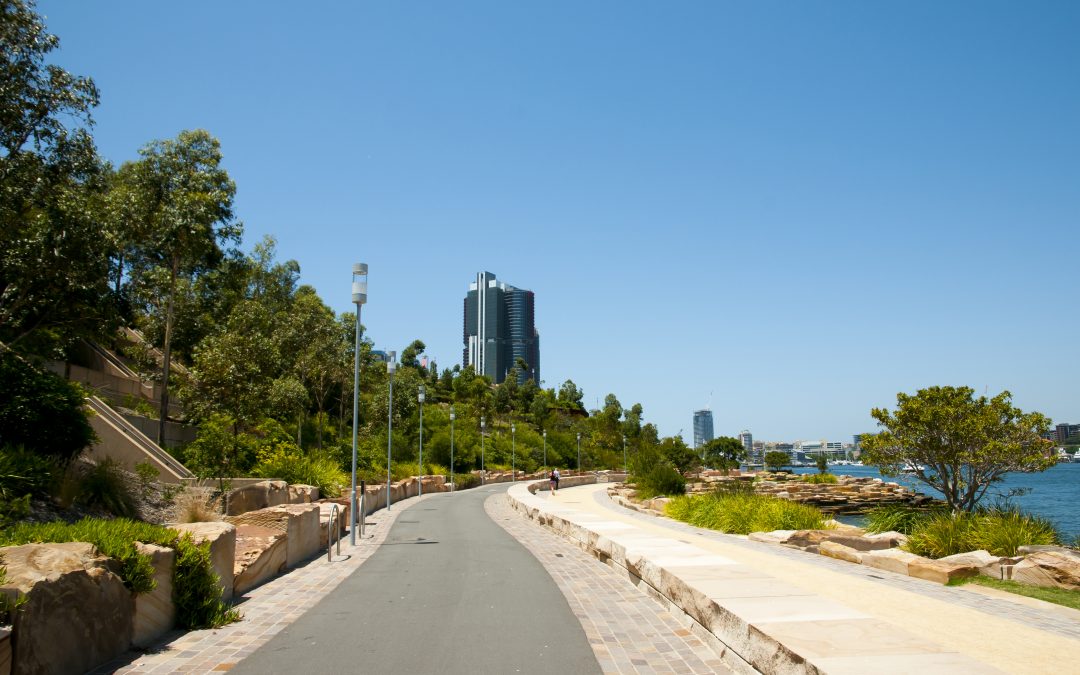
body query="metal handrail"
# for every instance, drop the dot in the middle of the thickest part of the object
(330, 530)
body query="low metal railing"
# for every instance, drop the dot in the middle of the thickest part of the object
(333, 527)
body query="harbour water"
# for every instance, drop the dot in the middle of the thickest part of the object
(1053, 494)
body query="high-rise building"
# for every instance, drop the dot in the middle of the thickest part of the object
(499, 328)
(747, 441)
(703, 428)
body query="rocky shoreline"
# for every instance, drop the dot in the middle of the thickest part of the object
(849, 494)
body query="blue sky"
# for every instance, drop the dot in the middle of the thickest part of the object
(787, 210)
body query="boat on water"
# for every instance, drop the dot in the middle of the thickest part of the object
(1076, 456)
(1063, 456)
(913, 468)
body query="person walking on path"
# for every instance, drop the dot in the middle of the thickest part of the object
(554, 480)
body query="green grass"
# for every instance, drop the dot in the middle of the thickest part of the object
(1058, 596)
(896, 518)
(743, 513)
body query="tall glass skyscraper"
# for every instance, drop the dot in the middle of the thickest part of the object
(500, 328)
(703, 429)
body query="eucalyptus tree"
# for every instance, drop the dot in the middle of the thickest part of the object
(54, 243)
(184, 202)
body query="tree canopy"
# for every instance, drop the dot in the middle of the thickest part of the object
(956, 443)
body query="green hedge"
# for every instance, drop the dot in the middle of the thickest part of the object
(196, 593)
(742, 512)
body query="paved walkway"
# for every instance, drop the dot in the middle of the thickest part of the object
(627, 631)
(837, 615)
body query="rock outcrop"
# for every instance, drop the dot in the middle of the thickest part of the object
(298, 522)
(257, 496)
(303, 494)
(78, 613)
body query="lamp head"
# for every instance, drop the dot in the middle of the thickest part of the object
(420, 396)
(359, 286)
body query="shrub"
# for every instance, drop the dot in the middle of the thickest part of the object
(23, 474)
(41, 411)
(896, 518)
(662, 479)
(999, 530)
(464, 481)
(1002, 530)
(105, 485)
(195, 585)
(741, 512)
(289, 463)
(196, 506)
(820, 478)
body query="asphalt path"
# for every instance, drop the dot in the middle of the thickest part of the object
(448, 591)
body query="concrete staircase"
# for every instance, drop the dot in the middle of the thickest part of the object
(121, 441)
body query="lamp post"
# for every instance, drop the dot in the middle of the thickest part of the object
(359, 297)
(483, 471)
(513, 452)
(420, 486)
(579, 453)
(545, 449)
(452, 417)
(624, 453)
(391, 366)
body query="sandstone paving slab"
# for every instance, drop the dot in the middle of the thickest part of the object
(905, 664)
(795, 608)
(847, 638)
(763, 587)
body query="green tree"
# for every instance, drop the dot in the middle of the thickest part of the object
(682, 456)
(777, 459)
(184, 205)
(570, 396)
(54, 246)
(958, 444)
(724, 452)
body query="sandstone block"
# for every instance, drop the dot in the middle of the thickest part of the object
(298, 522)
(839, 551)
(277, 492)
(155, 613)
(222, 538)
(982, 561)
(1049, 568)
(941, 571)
(894, 539)
(862, 543)
(303, 494)
(326, 510)
(260, 556)
(891, 560)
(77, 615)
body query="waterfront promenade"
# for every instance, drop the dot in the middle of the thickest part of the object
(496, 592)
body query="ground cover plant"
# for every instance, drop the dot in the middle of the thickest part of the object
(743, 512)
(196, 593)
(820, 478)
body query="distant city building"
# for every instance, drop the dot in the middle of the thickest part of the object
(703, 427)
(1063, 431)
(499, 328)
(747, 440)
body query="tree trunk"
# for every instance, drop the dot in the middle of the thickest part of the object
(166, 353)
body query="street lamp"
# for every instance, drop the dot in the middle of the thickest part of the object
(513, 451)
(624, 453)
(483, 471)
(359, 297)
(391, 366)
(420, 487)
(545, 449)
(579, 453)
(452, 417)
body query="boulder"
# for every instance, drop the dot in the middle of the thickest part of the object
(1042, 548)
(257, 496)
(260, 556)
(941, 571)
(77, 615)
(894, 539)
(839, 551)
(1049, 568)
(890, 560)
(155, 613)
(303, 494)
(864, 543)
(981, 561)
(222, 538)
